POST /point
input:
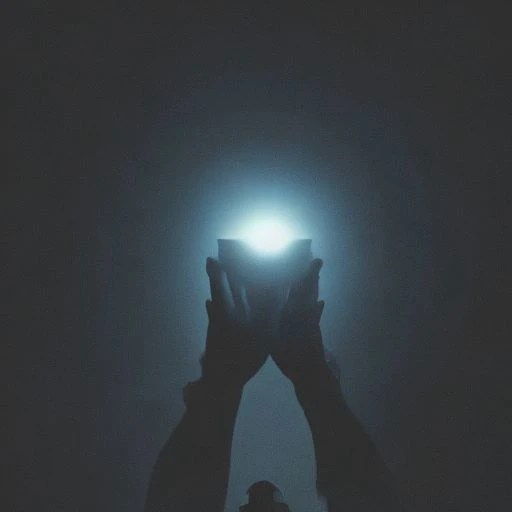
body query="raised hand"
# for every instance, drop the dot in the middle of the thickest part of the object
(301, 353)
(233, 353)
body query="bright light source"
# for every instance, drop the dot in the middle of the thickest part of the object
(268, 236)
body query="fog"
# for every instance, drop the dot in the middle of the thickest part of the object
(139, 139)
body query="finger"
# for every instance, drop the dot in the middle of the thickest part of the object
(235, 288)
(245, 302)
(314, 278)
(215, 274)
(305, 290)
(333, 365)
(209, 311)
(308, 285)
(319, 309)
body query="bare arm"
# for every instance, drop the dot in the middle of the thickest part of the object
(350, 473)
(192, 470)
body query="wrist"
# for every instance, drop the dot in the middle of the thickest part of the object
(209, 392)
(317, 386)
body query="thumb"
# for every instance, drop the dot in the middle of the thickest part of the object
(209, 309)
(318, 310)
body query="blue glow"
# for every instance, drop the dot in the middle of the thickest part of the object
(268, 235)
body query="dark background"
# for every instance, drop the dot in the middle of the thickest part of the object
(134, 135)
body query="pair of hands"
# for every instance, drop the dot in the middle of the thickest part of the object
(234, 353)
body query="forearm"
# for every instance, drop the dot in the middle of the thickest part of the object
(192, 470)
(350, 471)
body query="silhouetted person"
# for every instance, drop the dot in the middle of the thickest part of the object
(264, 496)
(191, 473)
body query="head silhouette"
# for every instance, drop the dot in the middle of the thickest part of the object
(264, 496)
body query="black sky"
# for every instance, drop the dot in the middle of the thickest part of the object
(125, 126)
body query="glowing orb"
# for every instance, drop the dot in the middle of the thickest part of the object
(268, 236)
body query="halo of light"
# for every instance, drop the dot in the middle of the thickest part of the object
(268, 236)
